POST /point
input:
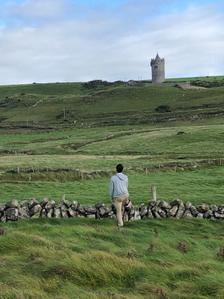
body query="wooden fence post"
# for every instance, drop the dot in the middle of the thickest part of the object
(153, 190)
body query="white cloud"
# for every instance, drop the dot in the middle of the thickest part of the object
(36, 9)
(116, 44)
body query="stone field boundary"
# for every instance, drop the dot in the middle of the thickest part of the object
(154, 209)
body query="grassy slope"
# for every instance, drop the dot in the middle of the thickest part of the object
(40, 103)
(91, 259)
(83, 258)
(166, 142)
(131, 140)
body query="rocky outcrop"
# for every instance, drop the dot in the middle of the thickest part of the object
(158, 209)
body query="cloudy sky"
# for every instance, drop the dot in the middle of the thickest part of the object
(81, 40)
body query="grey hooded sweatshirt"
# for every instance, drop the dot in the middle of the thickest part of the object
(118, 185)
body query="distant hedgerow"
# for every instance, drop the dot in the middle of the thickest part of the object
(208, 84)
(96, 84)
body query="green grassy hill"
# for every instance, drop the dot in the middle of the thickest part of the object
(98, 104)
(66, 138)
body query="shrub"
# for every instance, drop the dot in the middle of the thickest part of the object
(163, 108)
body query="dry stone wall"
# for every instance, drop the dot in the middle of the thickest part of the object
(154, 209)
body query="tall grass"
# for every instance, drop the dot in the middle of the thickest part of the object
(78, 258)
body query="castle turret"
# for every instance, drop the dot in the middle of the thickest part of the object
(158, 69)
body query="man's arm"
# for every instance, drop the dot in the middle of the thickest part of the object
(111, 188)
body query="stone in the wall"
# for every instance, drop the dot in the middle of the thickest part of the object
(187, 214)
(64, 211)
(49, 208)
(50, 205)
(136, 216)
(36, 211)
(24, 212)
(175, 202)
(200, 215)
(105, 212)
(214, 208)
(152, 204)
(90, 211)
(81, 211)
(203, 208)
(164, 205)
(12, 214)
(32, 203)
(2, 209)
(161, 213)
(101, 211)
(3, 218)
(180, 211)
(188, 205)
(143, 211)
(12, 204)
(149, 214)
(71, 213)
(57, 213)
(50, 213)
(24, 203)
(44, 202)
(218, 215)
(129, 211)
(173, 210)
(75, 205)
(64, 214)
(67, 203)
(208, 214)
(221, 209)
(194, 211)
(155, 213)
(43, 213)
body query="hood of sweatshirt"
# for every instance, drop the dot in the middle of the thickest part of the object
(122, 176)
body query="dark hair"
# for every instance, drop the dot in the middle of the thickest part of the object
(119, 168)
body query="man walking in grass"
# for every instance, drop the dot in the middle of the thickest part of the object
(119, 192)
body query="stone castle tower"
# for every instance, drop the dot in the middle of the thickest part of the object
(158, 69)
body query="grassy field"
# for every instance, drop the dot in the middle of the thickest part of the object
(204, 185)
(168, 142)
(51, 133)
(90, 259)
